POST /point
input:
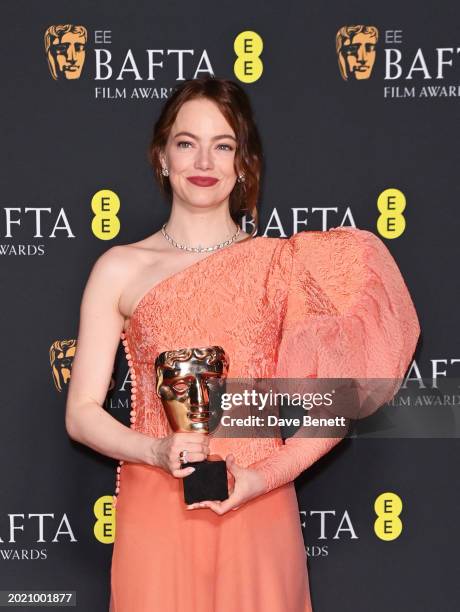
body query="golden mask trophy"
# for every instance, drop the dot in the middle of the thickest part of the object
(184, 379)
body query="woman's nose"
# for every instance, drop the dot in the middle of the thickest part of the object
(203, 159)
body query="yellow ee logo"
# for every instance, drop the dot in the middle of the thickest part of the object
(104, 527)
(388, 525)
(391, 222)
(105, 205)
(248, 66)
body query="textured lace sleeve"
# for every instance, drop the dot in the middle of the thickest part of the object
(348, 314)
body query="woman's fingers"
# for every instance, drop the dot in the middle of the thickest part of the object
(219, 507)
(175, 463)
(203, 504)
(192, 456)
(191, 441)
(191, 448)
(182, 473)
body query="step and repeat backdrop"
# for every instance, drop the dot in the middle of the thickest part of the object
(358, 108)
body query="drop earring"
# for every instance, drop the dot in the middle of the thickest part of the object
(241, 178)
(165, 171)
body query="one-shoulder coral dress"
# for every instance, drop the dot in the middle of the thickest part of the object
(319, 304)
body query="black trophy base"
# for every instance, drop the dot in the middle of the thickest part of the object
(207, 482)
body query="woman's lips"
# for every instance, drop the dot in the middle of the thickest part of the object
(202, 181)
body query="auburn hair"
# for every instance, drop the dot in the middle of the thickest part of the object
(235, 106)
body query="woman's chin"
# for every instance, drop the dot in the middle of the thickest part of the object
(205, 200)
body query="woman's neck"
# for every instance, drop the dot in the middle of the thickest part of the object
(204, 228)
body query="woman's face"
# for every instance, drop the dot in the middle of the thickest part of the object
(201, 143)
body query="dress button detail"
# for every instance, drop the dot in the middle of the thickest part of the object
(132, 376)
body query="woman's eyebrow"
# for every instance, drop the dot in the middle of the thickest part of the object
(196, 137)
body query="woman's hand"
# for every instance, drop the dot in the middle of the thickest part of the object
(245, 484)
(167, 449)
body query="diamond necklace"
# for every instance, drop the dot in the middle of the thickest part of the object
(199, 248)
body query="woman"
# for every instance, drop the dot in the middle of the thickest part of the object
(320, 304)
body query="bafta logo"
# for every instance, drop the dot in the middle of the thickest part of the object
(62, 353)
(65, 51)
(355, 47)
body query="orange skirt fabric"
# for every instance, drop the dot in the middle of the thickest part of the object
(170, 559)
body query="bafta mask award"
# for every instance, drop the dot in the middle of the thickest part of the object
(185, 381)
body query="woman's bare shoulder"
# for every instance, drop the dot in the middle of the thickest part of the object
(116, 267)
(128, 265)
(129, 254)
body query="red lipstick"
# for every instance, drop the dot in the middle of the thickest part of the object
(202, 181)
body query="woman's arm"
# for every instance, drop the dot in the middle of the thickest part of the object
(99, 331)
(350, 318)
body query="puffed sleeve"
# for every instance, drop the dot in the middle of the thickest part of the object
(348, 315)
